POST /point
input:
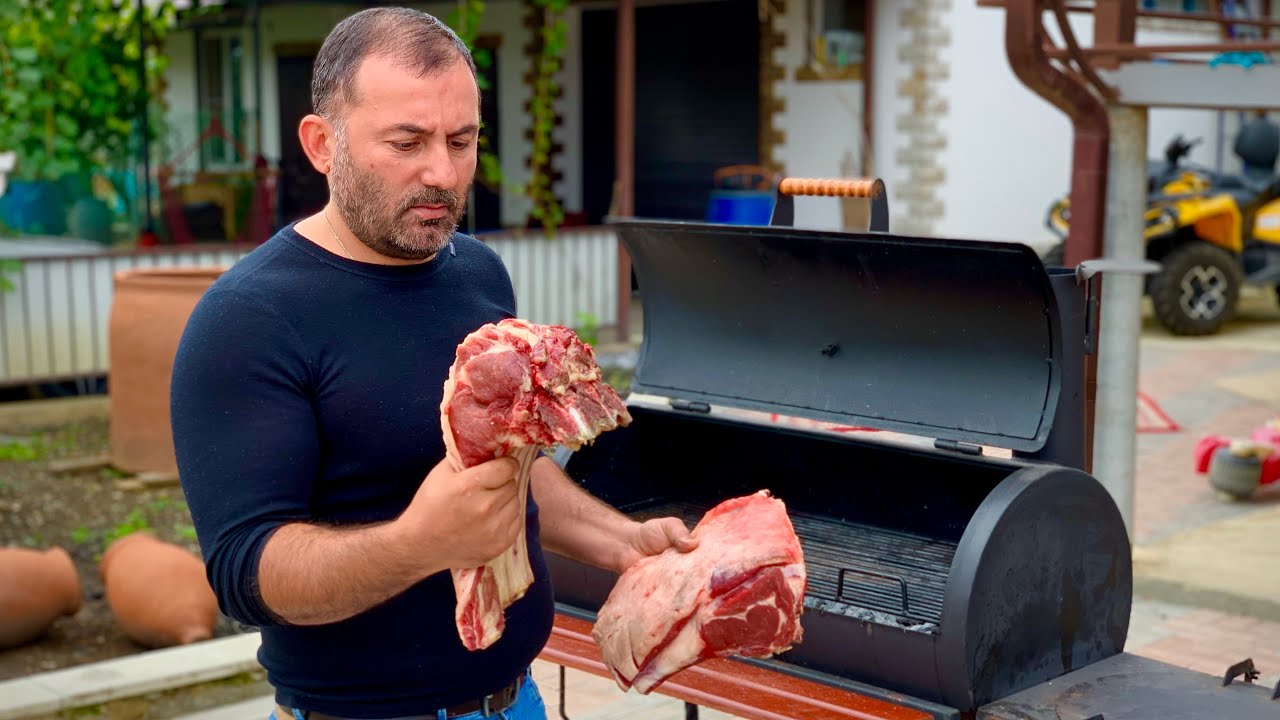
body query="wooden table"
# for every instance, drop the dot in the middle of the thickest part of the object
(734, 687)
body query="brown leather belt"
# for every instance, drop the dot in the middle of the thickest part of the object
(488, 706)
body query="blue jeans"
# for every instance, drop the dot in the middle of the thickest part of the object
(528, 706)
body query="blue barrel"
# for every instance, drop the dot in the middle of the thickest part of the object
(740, 207)
(35, 207)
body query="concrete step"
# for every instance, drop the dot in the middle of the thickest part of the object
(92, 683)
(258, 708)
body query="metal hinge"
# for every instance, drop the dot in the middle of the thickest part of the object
(690, 405)
(1085, 273)
(956, 446)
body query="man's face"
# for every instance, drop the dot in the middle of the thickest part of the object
(405, 157)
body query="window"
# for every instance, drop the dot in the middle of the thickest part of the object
(836, 39)
(1188, 6)
(220, 96)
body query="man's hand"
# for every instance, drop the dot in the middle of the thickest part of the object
(653, 537)
(465, 519)
(314, 574)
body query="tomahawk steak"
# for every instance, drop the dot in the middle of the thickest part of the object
(740, 592)
(516, 387)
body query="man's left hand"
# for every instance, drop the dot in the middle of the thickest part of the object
(653, 537)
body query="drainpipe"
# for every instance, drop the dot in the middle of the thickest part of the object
(624, 150)
(1024, 44)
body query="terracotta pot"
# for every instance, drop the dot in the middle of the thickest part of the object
(36, 588)
(149, 311)
(158, 591)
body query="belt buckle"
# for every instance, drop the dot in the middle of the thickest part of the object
(514, 688)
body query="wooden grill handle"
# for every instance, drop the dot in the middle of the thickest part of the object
(827, 187)
(871, 189)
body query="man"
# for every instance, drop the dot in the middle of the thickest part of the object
(306, 399)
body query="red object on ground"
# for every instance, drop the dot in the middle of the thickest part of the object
(1266, 434)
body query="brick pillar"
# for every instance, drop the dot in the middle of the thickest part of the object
(919, 173)
(771, 71)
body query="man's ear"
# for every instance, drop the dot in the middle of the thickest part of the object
(319, 142)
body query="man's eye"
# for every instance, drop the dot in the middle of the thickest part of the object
(461, 144)
(405, 146)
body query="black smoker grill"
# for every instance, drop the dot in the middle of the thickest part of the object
(937, 570)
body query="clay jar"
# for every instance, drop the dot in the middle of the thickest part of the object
(158, 591)
(149, 311)
(36, 588)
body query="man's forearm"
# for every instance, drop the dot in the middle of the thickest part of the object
(576, 524)
(314, 574)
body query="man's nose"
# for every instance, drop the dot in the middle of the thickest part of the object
(438, 169)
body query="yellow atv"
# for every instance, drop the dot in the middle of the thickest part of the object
(1210, 232)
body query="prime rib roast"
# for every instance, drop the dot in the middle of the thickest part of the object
(516, 387)
(740, 592)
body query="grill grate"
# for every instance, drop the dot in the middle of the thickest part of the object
(860, 566)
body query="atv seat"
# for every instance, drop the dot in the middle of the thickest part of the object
(1258, 146)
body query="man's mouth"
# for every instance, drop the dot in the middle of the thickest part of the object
(429, 212)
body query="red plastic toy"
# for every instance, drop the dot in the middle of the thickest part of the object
(1238, 467)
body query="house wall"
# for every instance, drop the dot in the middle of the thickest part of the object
(965, 149)
(293, 24)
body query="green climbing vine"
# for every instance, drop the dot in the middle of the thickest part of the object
(550, 42)
(546, 207)
(465, 20)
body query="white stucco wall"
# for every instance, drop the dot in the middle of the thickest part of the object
(310, 24)
(1008, 152)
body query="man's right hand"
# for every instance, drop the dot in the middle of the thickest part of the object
(465, 519)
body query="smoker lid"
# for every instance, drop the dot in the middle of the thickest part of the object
(941, 338)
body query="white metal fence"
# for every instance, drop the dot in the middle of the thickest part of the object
(54, 319)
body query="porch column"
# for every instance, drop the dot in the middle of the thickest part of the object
(147, 236)
(256, 9)
(624, 149)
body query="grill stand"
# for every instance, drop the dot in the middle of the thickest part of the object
(739, 688)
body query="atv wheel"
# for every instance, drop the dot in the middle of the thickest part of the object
(1196, 290)
(1056, 255)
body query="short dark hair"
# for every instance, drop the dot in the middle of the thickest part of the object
(416, 39)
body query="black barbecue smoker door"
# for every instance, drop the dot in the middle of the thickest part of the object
(950, 339)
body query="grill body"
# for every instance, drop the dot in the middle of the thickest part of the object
(938, 571)
(950, 578)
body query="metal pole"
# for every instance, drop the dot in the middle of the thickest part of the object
(1120, 322)
(624, 150)
(146, 124)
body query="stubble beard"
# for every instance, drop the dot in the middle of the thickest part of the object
(363, 201)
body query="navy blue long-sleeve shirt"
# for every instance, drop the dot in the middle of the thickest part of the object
(307, 388)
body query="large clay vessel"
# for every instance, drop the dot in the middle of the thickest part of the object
(158, 591)
(149, 311)
(36, 588)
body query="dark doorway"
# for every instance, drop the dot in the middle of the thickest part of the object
(484, 209)
(697, 103)
(303, 190)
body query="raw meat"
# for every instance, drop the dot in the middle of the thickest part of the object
(740, 592)
(516, 387)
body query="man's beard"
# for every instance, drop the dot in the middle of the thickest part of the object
(395, 231)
